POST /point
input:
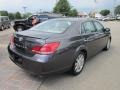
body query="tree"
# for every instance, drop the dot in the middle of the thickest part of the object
(18, 15)
(73, 13)
(11, 16)
(62, 7)
(117, 10)
(3, 13)
(26, 15)
(105, 12)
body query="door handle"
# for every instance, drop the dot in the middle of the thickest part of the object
(89, 39)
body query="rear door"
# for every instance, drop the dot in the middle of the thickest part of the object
(101, 36)
(89, 34)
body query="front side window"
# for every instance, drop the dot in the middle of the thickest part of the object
(89, 27)
(99, 27)
(31, 18)
(7, 19)
(53, 26)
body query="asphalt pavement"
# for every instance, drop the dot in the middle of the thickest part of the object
(100, 73)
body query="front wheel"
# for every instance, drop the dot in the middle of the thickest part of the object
(78, 64)
(108, 44)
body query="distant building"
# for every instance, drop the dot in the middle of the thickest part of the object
(98, 15)
(83, 14)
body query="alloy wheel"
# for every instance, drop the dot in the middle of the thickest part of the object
(79, 63)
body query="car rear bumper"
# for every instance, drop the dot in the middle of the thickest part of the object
(38, 64)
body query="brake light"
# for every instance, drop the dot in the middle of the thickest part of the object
(12, 40)
(48, 48)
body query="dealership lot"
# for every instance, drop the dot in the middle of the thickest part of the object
(100, 73)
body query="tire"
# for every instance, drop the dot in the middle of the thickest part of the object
(19, 28)
(78, 64)
(2, 28)
(8, 26)
(107, 47)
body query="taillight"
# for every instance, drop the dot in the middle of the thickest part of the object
(12, 40)
(48, 48)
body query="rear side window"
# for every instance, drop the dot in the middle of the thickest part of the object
(6, 19)
(89, 27)
(99, 26)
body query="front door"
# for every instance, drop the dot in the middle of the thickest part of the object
(102, 37)
(90, 38)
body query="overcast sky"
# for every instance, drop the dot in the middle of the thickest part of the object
(47, 5)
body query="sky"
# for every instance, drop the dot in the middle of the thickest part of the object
(47, 5)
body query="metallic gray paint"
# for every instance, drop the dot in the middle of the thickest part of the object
(71, 43)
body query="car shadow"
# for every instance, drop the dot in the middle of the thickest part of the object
(66, 80)
(91, 67)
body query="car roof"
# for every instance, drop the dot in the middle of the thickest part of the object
(4, 17)
(75, 19)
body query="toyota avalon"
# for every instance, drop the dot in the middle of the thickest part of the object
(58, 45)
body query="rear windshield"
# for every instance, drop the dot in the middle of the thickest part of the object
(53, 26)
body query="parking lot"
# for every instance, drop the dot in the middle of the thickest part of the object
(100, 73)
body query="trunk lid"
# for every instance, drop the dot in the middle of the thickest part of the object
(25, 40)
(36, 34)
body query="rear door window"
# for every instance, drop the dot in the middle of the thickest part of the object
(2, 19)
(6, 19)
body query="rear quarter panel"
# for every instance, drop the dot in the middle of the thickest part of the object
(69, 42)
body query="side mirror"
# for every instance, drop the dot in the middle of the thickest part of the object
(107, 30)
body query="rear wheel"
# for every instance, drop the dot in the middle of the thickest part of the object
(78, 64)
(8, 26)
(19, 28)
